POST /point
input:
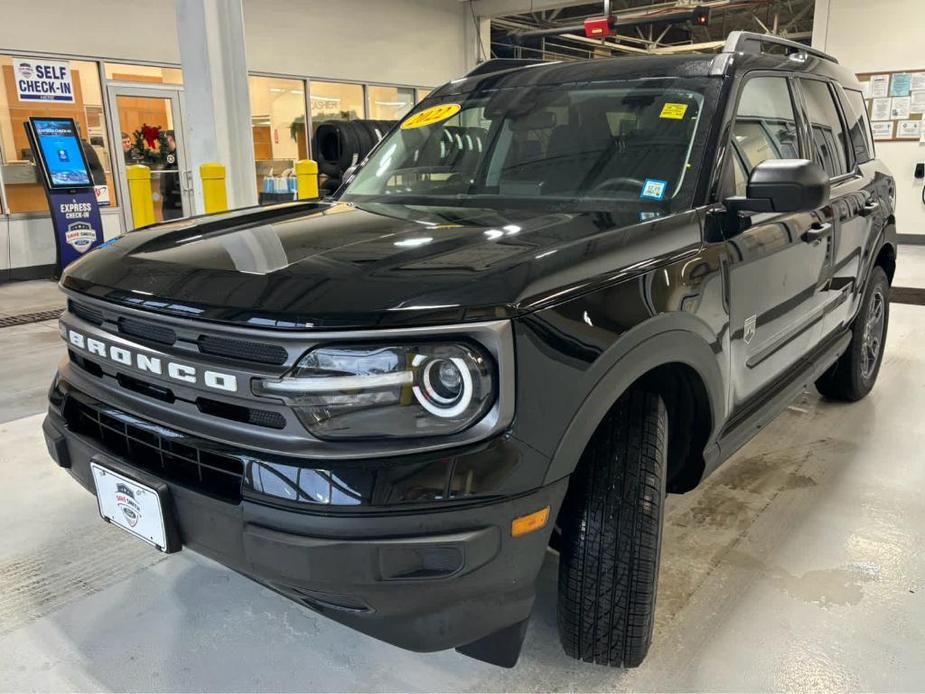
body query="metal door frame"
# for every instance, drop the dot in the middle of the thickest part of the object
(174, 94)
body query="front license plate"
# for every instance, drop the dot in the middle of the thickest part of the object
(134, 507)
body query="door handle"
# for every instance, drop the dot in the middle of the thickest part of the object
(869, 208)
(815, 232)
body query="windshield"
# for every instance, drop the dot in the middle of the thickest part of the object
(558, 145)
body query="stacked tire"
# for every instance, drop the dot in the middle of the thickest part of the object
(338, 145)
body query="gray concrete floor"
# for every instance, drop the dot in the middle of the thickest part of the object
(29, 297)
(910, 266)
(796, 566)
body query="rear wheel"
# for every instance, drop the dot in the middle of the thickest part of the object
(611, 536)
(854, 374)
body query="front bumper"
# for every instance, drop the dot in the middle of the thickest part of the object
(447, 575)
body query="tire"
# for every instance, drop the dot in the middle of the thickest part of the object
(611, 536)
(326, 148)
(854, 374)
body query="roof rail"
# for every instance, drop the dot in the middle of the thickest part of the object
(751, 42)
(498, 64)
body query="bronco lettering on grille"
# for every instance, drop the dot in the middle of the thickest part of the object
(155, 365)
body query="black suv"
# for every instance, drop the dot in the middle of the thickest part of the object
(549, 296)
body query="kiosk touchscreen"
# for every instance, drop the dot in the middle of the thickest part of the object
(68, 186)
(60, 153)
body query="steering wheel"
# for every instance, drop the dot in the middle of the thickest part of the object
(620, 182)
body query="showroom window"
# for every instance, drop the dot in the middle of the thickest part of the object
(119, 72)
(83, 101)
(336, 101)
(278, 125)
(390, 103)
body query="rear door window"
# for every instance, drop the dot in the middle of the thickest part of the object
(829, 136)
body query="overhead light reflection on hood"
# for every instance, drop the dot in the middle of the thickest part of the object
(414, 242)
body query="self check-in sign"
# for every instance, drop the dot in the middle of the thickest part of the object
(43, 80)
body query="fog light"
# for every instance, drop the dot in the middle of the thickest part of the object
(530, 522)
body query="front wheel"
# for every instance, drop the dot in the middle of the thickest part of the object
(854, 374)
(611, 535)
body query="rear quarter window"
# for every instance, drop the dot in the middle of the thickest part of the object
(859, 126)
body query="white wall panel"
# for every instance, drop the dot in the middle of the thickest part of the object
(32, 242)
(413, 42)
(4, 247)
(869, 36)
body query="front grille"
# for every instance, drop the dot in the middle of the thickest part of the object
(169, 455)
(91, 315)
(148, 332)
(238, 413)
(184, 338)
(144, 388)
(90, 367)
(215, 408)
(243, 350)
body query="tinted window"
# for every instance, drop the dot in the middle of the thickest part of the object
(739, 177)
(859, 127)
(830, 146)
(558, 145)
(765, 127)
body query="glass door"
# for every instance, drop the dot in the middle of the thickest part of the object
(148, 124)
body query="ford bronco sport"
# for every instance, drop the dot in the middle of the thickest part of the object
(551, 295)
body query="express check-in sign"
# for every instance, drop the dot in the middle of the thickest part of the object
(43, 80)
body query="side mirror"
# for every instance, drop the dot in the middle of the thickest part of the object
(783, 185)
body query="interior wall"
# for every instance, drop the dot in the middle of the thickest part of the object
(869, 39)
(412, 42)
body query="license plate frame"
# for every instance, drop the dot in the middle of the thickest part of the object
(121, 495)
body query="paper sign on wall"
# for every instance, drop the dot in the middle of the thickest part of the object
(102, 195)
(879, 86)
(901, 84)
(909, 129)
(899, 109)
(918, 81)
(43, 80)
(882, 130)
(880, 109)
(918, 102)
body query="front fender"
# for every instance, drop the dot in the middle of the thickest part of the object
(569, 379)
(626, 362)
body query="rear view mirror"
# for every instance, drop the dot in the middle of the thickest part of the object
(783, 185)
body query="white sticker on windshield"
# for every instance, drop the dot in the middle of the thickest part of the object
(653, 189)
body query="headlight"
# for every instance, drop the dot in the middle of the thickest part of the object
(388, 391)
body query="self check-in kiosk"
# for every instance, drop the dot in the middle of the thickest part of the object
(68, 187)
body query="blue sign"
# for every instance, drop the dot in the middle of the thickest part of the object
(77, 222)
(43, 80)
(653, 189)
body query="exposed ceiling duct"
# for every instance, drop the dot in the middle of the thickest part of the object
(643, 26)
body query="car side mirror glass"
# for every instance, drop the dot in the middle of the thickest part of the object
(783, 185)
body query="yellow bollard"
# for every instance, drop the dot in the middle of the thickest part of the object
(139, 190)
(306, 176)
(215, 198)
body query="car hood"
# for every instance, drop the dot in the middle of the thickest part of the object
(373, 265)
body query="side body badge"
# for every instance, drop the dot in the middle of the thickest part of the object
(748, 330)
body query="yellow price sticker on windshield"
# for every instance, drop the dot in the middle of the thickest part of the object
(674, 111)
(431, 115)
